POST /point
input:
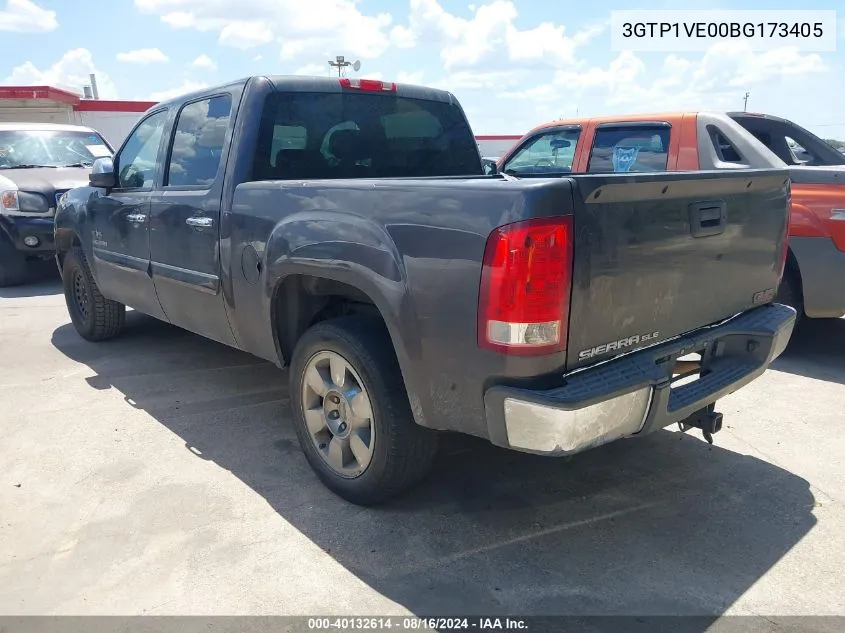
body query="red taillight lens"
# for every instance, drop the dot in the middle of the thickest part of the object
(526, 280)
(373, 85)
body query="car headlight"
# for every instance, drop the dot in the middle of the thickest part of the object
(9, 201)
(22, 203)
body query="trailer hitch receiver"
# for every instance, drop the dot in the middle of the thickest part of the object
(708, 420)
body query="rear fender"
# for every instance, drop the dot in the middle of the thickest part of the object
(805, 223)
(354, 251)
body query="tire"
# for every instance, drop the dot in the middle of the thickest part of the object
(400, 451)
(94, 317)
(789, 293)
(13, 265)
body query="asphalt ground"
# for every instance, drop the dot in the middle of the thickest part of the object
(158, 473)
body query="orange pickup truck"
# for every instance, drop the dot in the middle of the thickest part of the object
(814, 279)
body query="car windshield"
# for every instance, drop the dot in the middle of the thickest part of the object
(50, 148)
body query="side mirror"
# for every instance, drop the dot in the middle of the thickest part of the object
(489, 166)
(102, 174)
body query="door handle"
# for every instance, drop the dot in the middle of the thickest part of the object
(200, 221)
(707, 218)
(837, 214)
(136, 218)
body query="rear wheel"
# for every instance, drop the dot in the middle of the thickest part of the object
(94, 317)
(13, 266)
(352, 415)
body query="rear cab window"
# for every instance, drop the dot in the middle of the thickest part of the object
(791, 143)
(314, 135)
(549, 152)
(630, 149)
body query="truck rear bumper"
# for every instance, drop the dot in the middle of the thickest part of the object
(822, 268)
(634, 394)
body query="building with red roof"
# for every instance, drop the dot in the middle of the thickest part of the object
(48, 104)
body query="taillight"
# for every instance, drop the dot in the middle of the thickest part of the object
(526, 279)
(373, 85)
(785, 251)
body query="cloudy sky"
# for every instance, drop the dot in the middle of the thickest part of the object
(512, 63)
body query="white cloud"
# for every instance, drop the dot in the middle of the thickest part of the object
(375, 75)
(495, 81)
(402, 37)
(24, 16)
(321, 27)
(312, 69)
(775, 62)
(179, 20)
(298, 28)
(413, 77)
(258, 58)
(178, 91)
(205, 62)
(245, 35)
(711, 82)
(142, 56)
(491, 32)
(71, 71)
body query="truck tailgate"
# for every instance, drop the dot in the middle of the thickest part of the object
(657, 256)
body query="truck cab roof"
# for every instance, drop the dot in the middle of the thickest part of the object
(309, 83)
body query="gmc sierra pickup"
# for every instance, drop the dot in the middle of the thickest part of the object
(343, 228)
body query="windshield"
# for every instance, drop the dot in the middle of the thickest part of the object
(50, 148)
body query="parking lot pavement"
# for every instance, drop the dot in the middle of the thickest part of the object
(158, 473)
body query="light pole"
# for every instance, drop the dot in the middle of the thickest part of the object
(745, 102)
(342, 64)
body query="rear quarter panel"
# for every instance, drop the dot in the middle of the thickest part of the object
(415, 247)
(811, 210)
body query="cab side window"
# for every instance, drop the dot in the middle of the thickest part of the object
(725, 150)
(799, 154)
(638, 148)
(546, 153)
(137, 160)
(198, 142)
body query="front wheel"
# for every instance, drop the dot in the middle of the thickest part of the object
(352, 415)
(94, 317)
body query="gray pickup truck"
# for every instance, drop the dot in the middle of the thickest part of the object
(344, 228)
